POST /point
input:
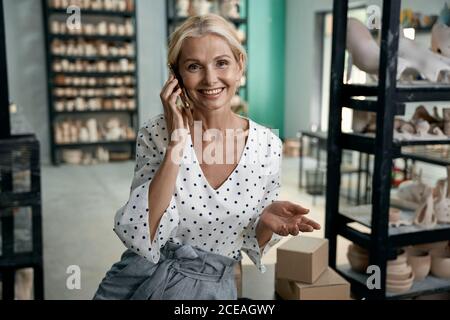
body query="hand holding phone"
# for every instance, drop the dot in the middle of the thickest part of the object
(180, 84)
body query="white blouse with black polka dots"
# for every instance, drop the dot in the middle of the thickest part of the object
(221, 220)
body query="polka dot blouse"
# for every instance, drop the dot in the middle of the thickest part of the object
(222, 220)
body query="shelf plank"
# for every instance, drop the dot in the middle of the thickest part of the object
(93, 58)
(429, 285)
(415, 92)
(99, 143)
(16, 200)
(99, 86)
(53, 36)
(428, 156)
(371, 105)
(95, 74)
(366, 143)
(398, 236)
(125, 14)
(66, 113)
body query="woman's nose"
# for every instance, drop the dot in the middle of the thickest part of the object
(210, 76)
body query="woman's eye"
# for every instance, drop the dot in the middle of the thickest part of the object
(193, 67)
(222, 63)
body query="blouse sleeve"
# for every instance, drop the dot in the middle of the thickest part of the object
(131, 222)
(271, 193)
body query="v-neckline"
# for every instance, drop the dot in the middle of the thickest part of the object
(244, 152)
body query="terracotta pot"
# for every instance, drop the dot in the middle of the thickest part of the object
(399, 286)
(358, 263)
(357, 249)
(440, 263)
(401, 259)
(420, 262)
(398, 272)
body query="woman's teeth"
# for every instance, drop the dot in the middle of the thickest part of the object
(211, 92)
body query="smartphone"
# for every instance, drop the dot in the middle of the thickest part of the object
(180, 84)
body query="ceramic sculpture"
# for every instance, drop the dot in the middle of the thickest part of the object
(440, 39)
(425, 214)
(200, 7)
(412, 190)
(182, 8)
(365, 54)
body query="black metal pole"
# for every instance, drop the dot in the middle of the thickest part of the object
(5, 125)
(379, 245)
(340, 8)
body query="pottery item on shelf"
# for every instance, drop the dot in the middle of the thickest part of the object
(432, 246)
(420, 262)
(401, 259)
(412, 190)
(441, 202)
(72, 156)
(440, 263)
(394, 215)
(400, 286)
(440, 39)
(364, 53)
(200, 7)
(230, 9)
(182, 8)
(93, 130)
(113, 130)
(425, 215)
(399, 275)
(358, 258)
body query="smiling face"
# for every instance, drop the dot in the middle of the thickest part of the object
(210, 72)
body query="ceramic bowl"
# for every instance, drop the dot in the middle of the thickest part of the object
(420, 262)
(440, 263)
(398, 274)
(357, 249)
(358, 262)
(399, 286)
(401, 258)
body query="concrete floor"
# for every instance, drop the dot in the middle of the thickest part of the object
(79, 204)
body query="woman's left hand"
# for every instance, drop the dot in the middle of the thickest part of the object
(284, 218)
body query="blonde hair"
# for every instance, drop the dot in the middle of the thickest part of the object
(198, 26)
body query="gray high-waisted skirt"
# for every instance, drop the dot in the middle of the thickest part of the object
(182, 273)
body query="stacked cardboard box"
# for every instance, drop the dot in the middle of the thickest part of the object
(302, 272)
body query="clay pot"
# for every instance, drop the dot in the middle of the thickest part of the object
(394, 215)
(420, 262)
(399, 286)
(400, 260)
(358, 258)
(398, 272)
(440, 263)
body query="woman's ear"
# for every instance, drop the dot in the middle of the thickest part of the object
(241, 65)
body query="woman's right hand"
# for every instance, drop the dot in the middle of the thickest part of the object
(176, 118)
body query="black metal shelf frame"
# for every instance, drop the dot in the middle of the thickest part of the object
(49, 13)
(389, 101)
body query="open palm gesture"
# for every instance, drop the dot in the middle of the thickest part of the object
(284, 218)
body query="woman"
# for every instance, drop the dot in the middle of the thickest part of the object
(188, 218)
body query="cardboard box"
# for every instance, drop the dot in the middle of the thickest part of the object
(329, 286)
(302, 259)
